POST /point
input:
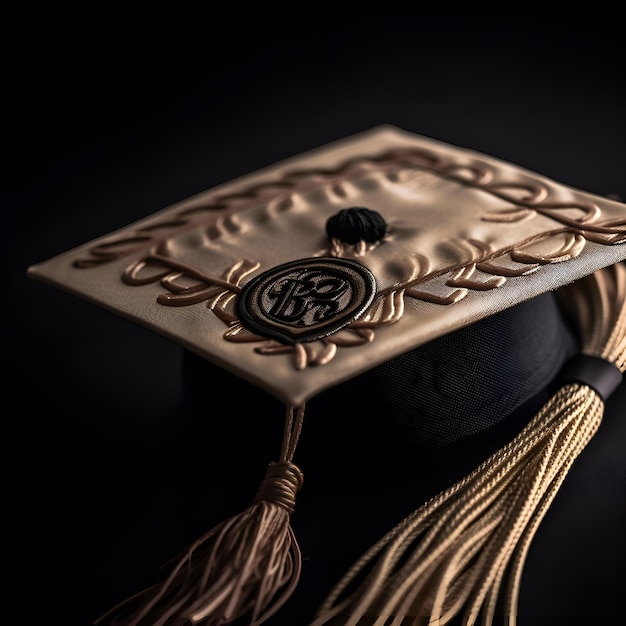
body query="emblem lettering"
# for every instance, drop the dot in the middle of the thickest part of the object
(306, 300)
(309, 297)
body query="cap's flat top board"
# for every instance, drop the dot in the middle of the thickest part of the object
(468, 235)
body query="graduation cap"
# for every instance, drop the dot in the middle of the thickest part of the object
(341, 261)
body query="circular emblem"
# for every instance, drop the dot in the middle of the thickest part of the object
(307, 299)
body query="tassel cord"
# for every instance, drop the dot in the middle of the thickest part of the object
(506, 507)
(554, 464)
(474, 536)
(511, 595)
(505, 536)
(452, 588)
(393, 553)
(458, 556)
(480, 479)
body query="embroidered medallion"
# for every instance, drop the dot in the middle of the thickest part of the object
(306, 299)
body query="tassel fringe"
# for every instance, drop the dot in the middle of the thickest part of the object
(248, 565)
(463, 552)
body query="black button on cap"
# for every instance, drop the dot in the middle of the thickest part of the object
(354, 224)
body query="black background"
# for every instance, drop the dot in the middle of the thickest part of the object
(112, 114)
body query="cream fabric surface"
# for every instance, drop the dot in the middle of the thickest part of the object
(468, 236)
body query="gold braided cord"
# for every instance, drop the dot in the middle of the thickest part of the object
(462, 553)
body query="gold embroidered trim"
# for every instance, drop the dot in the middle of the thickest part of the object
(529, 199)
(479, 266)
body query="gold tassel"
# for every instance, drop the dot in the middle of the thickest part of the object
(247, 565)
(463, 552)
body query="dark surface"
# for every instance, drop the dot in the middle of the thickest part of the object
(109, 117)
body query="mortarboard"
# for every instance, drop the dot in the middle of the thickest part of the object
(341, 261)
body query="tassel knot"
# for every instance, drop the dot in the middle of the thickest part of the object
(280, 485)
(247, 565)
